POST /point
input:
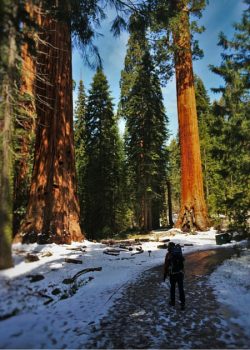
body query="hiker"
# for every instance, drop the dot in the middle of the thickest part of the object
(174, 268)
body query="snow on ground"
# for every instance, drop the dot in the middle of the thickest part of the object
(231, 283)
(32, 313)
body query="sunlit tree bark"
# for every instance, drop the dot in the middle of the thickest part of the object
(53, 209)
(193, 212)
(25, 123)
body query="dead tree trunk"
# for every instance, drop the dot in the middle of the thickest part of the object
(192, 195)
(53, 209)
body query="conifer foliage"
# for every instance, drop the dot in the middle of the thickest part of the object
(102, 167)
(142, 107)
(172, 27)
(231, 126)
(8, 79)
(80, 153)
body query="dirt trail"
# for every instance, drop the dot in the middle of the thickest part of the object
(142, 318)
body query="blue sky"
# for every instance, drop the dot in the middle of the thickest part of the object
(218, 16)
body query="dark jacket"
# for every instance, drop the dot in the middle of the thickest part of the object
(167, 264)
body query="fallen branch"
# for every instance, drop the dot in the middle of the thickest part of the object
(114, 253)
(35, 278)
(31, 258)
(73, 261)
(10, 314)
(40, 294)
(73, 279)
(79, 249)
(124, 247)
(115, 292)
(139, 252)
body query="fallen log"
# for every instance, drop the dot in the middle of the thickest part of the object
(41, 294)
(162, 246)
(108, 241)
(35, 278)
(79, 249)
(46, 254)
(124, 247)
(139, 252)
(31, 258)
(138, 240)
(165, 240)
(73, 261)
(111, 253)
(79, 273)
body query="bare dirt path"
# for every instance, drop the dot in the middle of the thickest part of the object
(142, 318)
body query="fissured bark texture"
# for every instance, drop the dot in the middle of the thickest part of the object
(53, 209)
(193, 212)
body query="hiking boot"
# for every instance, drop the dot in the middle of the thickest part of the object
(171, 303)
(182, 307)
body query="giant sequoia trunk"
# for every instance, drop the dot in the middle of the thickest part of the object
(53, 209)
(193, 212)
(25, 125)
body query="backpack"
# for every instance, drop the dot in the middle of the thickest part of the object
(176, 260)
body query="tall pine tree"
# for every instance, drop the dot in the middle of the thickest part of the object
(103, 157)
(80, 153)
(174, 173)
(142, 107)
(205, 121)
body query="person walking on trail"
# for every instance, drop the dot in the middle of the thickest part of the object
(174, 268)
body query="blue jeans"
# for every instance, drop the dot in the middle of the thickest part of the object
(177, 278)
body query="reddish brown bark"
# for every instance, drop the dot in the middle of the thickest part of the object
(193, 212)
(25, 125)
(53, 209)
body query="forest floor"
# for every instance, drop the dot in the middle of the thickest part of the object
(123, 302)
(142, 318)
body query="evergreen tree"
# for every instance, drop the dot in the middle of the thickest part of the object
(205, 122)
(174, 173)
(209, 130)
(103, 160)
(142, 107)
(232, 125)
(80, 153)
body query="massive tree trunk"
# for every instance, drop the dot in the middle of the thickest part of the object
(193, 212)
(53, 209)
(25, 125)
(6, 126)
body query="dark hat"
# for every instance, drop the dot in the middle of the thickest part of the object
(171, 245)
